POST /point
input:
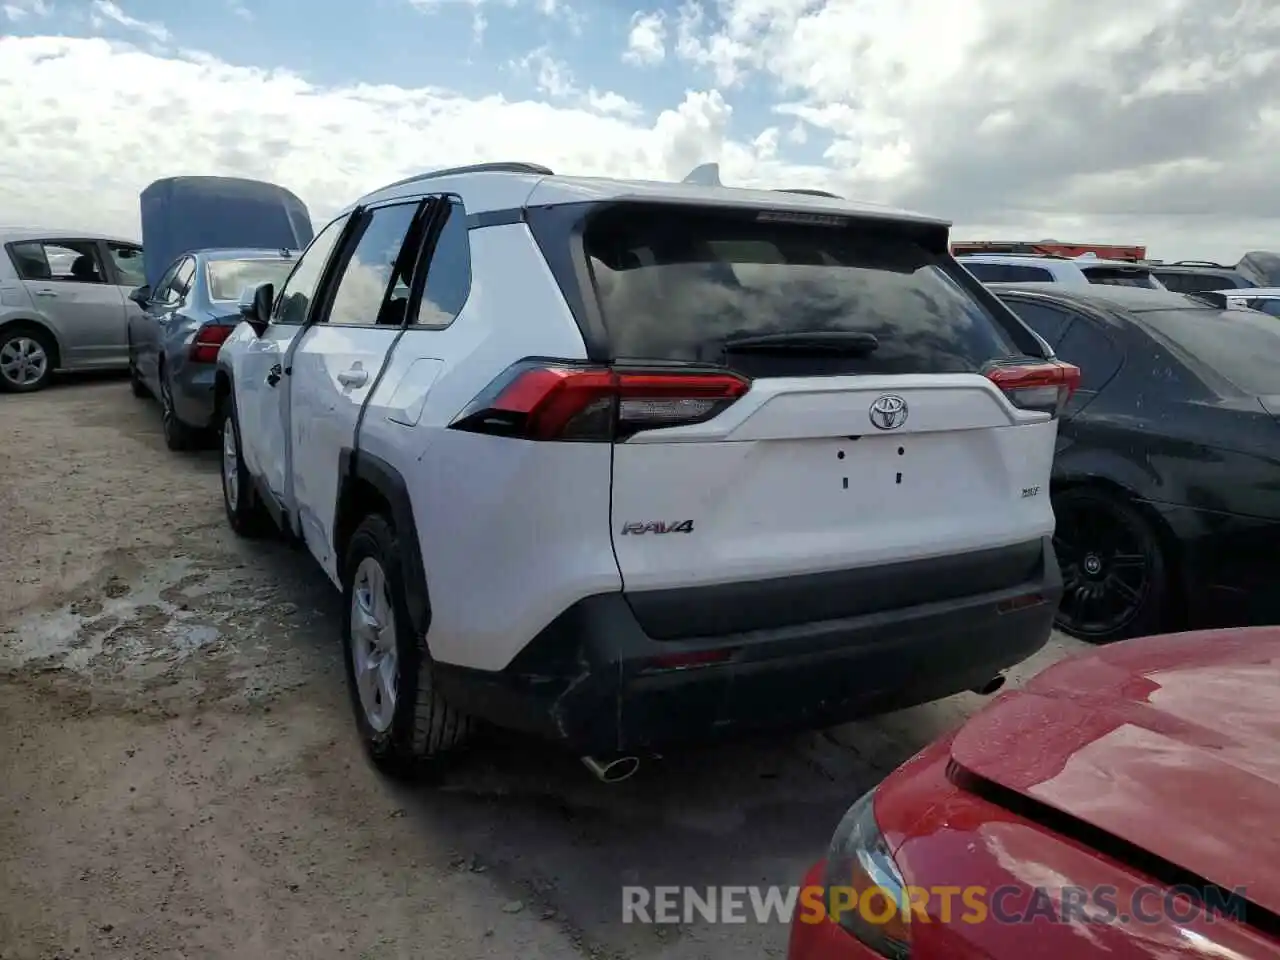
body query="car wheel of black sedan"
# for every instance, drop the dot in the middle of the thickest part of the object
(1114, 572)
(177, 435)
(136, 383)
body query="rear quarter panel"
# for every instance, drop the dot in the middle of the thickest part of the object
(497, 518)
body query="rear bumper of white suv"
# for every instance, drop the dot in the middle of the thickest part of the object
(596, 681)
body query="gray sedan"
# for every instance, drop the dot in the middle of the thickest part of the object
(63, 303)
(173, 342)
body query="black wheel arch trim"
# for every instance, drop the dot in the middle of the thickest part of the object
(357, 467)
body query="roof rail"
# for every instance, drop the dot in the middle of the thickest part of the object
(809, 193)
(500, 166)
(1199, 263)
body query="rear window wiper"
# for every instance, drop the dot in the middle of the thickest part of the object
(847, 343)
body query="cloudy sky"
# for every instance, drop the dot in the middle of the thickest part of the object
(1155, 122)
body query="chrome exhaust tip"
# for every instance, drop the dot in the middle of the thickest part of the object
(614, 770)
(990, 687)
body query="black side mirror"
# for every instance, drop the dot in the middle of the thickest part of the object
(260, 313)
(141, 295)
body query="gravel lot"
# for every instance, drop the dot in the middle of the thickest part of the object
(181, 779)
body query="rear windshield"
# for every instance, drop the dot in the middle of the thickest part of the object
(228, 278)
(1197, 282)
(1119, 276)
(680, 286)
(1243, 346)
(1007, 272)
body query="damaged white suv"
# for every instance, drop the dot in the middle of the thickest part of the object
(630, 463)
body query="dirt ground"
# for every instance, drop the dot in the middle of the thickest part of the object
(179, 776)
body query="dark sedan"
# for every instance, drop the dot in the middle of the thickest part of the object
(173, 345)
(1166, 482)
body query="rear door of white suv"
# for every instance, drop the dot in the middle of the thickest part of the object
(336, 362)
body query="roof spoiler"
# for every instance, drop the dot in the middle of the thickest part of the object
(704, 175)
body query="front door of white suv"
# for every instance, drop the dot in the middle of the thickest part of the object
(262, 394)
(338, 359)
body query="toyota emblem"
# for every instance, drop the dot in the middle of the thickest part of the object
(888, 412)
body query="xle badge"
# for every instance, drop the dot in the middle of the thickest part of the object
(657, 526)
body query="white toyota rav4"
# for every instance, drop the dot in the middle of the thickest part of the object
(630, 463)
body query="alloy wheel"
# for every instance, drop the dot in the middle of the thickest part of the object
(166, 407)
(23, 361)
(230, 466)
(1106, 569)
(374, 655)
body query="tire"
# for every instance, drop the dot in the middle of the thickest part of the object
(27, 358)
(1114, 570)
(136, 386)
(245, 513)
(177, 435)
(407, 733)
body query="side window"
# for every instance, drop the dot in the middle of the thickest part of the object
(449, 276)
(294, 300)
(128, 263)
(66, 261)
(161, 292)
(1200, 283)
(1018, 273)
(182, 279)
(985, 272)
(361, 296)
(1048, 321)
(1093, 351)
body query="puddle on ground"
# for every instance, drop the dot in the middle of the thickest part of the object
(174, 610)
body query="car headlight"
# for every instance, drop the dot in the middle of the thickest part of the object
(865, 892)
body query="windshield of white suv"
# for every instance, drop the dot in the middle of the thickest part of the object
(228, 278)
(868, 298)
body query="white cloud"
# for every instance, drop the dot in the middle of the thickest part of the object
(18, 10)
(572, 19)
(647, 41)
(83, 162)
(1157, 124)
(556, 79)
(105, 10)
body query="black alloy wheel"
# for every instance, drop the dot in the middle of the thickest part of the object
(177, 435)
(1113, 568)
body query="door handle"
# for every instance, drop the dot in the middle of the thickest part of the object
(355, 377)
(273, 375)
(46, 293)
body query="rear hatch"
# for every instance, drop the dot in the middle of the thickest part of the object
(183, 214)
(855, 413)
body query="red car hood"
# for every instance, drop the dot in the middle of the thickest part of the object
(1171, 743)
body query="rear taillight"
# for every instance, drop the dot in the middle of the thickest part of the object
(1036, 385)
(554, 401)
(207, 341)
